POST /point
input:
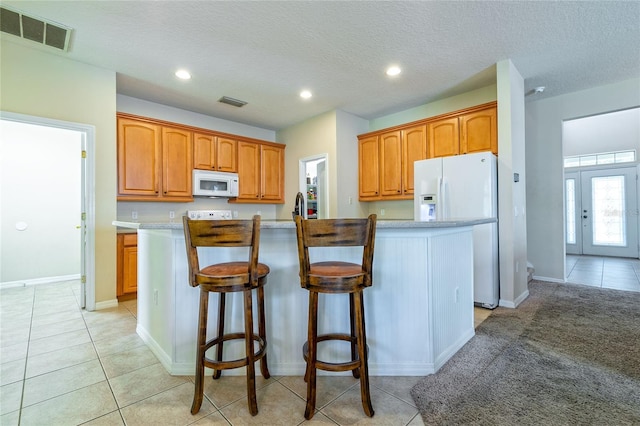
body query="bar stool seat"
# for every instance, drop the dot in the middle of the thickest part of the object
(222, 278)
(335, 277)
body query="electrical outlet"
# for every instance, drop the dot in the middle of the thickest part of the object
(259, 213)
(172, 214)
(235, 214)
(155, 297)
(350, 200)
(381, 212)
(134, 215)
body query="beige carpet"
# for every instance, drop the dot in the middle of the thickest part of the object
(568, 355)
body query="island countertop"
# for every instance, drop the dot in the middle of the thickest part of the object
(286, 224)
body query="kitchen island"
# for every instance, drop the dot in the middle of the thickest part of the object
(419, 311)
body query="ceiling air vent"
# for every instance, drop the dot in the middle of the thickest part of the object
(35, 29)
(230, 101)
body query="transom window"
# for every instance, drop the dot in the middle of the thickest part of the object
(602, 158)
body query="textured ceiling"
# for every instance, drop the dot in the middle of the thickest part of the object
(265, 53)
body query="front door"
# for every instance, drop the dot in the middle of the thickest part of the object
(608, 212)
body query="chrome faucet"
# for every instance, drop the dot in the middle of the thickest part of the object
(299, 207)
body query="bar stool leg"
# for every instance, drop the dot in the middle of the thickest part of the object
(262, 332)
(365, 394)
(311, 360)
(250, 351)
(202, 342)
(221, 311)
(354, 344)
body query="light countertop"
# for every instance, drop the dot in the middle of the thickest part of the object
(285, 224)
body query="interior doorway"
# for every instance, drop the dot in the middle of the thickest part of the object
(314, 185)
(78, 142)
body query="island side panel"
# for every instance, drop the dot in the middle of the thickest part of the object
(451, 292)
(156, 304)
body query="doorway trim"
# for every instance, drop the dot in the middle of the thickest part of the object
(88, 191)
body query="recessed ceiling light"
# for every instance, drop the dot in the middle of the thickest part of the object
(183, 74)
(393, 70)
(305, 94)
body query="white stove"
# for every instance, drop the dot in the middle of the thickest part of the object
(210, 214)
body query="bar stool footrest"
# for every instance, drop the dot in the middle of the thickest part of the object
(334, 366)
(236, 363)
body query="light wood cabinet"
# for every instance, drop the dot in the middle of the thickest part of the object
(260, 173)
(211, 152)
(138, 158)
(386, 163)
(444, 137)
(464, 134)
(177, 163)
(479, 131)
(391, 163)
(368, 170)
(154, 162)
(414, 148)
(386, 157)
(127, 266)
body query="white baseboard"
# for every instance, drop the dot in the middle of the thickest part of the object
(37, 281)
(548, 279)
(509, 304)
(113, 303)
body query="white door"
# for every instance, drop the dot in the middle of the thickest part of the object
(609, 212)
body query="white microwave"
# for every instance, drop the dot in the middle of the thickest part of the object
(214, 184)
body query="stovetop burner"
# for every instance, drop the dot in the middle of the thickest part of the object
(210, 214)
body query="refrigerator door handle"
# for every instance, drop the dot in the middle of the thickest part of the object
(443, 198)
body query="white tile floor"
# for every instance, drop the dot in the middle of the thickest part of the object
(605, 272)
(61, 365)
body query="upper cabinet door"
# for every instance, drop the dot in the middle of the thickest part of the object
(211, 152)
(369, 177)
(138, 158)
(391, 163)
(226, 156)
(443, 137)
(272, 167)
(204, 151)
(248, 170)
(414, 148)
(478, 131)
(177, 162)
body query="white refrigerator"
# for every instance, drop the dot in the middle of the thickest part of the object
(463, 187)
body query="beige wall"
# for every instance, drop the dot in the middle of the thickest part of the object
(335, 134)
(443, 106)
(37, 83)
(311, 137)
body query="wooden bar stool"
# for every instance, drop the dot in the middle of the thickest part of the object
(223, 278)
(336, 277)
